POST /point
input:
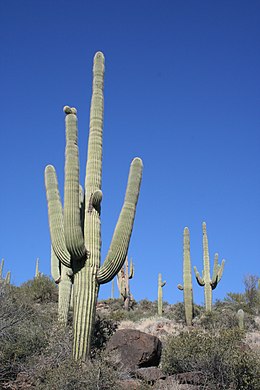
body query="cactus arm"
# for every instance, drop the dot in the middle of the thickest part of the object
(180, 287)
(8, 277)
(131, 272)
(56, 216)
(113, 289)
(215, 269)
(120, 241)
(200, 280)
(221, 269)
(217, 272)
(55, 267)
(65, 290)
(72, 222)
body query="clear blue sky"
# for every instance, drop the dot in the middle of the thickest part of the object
(181, 91)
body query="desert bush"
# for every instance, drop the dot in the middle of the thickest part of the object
(23, 331)
(223, 357)
(40, 290)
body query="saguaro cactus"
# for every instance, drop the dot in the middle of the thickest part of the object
(77, 247)
(37, 272)
(123, 278)
(241, 318)
(206, 281)
(7, 278)
(160, 294)
(1, 268)
(187, 278)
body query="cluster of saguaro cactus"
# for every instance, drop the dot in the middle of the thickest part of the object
(77, 247)
(187, 278)
(209, 283)
(7, 278)
(123, 277)
(161, 284)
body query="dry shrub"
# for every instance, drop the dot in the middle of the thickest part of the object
(223, 357)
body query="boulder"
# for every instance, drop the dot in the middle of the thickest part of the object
(149, 374)
(135, 349)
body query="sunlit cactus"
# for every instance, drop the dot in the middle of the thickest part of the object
(161, 284)
(123, 277)
(186, 287)
(79, 247)
(206, 281)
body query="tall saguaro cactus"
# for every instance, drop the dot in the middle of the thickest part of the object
(161, 284)
(206, 281)
(187, 278)
(123, 284)
(79, 247)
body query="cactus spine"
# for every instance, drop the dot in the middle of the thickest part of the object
(206, 281)
(187, 278)
(241, 318)
(123, 278)
(80, 248)
(160, 294)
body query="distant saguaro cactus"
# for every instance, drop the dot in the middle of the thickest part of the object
(241, 318)
(37, 272)
(1, 269)
(206, 281)
(187, 278)
(123, 277)
(7, 278)
(161, 284)
(77, 247)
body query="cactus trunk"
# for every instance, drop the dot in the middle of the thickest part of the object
(160, 294)
(187, 278)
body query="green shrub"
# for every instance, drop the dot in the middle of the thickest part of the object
(39, 290)
(223, 357)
